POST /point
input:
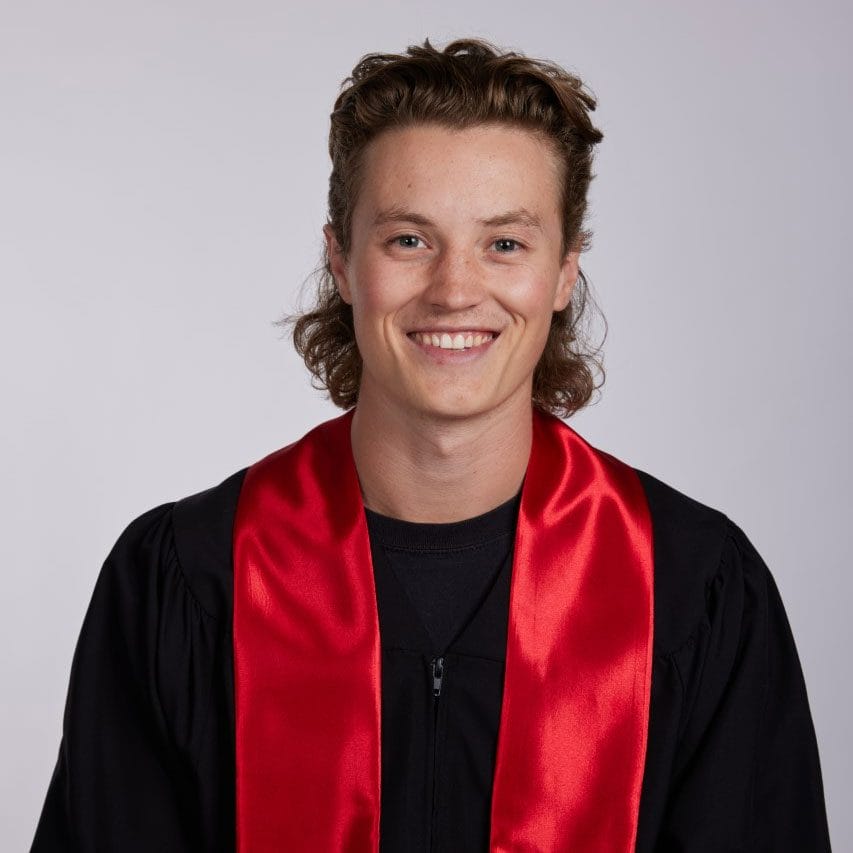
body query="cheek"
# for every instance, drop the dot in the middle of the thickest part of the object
(532, 300)
(369, 289)
(374, 306)
(379, 292)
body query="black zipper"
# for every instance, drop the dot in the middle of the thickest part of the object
(437, 681)
(437, 678)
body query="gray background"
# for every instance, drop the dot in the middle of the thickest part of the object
(162, 186)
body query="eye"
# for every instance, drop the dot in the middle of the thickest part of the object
(506, 245)
(406, 241)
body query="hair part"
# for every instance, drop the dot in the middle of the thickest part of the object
(468, 83)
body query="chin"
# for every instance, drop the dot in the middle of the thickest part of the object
(451, 408)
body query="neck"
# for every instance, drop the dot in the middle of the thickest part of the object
(427, 469)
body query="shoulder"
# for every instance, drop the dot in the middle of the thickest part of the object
(179, 547)
(703, 563)
(202, 526)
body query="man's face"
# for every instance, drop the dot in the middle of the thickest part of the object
(455, 267)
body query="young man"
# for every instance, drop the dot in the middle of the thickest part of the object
(441, 621)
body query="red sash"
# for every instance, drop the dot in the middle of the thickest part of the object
(574, 719)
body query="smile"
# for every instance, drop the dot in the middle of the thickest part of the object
(457, 340)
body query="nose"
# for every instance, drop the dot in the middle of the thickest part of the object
(456, 281)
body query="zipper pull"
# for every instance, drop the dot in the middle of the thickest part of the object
(437, 675)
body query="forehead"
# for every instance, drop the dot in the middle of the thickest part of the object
(478, 171)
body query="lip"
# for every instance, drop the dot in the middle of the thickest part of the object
(437, 355)
(451, 330)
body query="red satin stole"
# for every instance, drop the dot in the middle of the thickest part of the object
(574, 719)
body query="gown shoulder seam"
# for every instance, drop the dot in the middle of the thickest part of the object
(186, 581)
(727, 533)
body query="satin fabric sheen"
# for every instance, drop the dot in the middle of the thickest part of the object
(574, 718)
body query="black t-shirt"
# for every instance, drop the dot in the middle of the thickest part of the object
(446, 570)
(443, 600)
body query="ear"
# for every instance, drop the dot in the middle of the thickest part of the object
(569, 271)
(337, 263)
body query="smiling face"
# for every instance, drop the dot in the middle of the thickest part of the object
(455, 267)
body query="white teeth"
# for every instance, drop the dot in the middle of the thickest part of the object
(461, 340)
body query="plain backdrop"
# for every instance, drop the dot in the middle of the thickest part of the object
(162, 192)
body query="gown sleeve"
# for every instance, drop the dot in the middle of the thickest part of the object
(746, 775)
(136, 705)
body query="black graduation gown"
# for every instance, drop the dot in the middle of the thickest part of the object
(146, 760)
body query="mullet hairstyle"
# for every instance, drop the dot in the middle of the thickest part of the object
(466, 84)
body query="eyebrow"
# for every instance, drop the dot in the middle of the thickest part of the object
(400, 214)
(520, 216)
